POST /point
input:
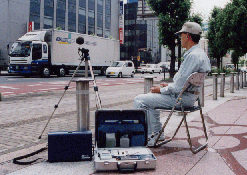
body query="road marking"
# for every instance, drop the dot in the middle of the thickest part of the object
(4, 87)
(7, 92)
(105, 84)
(34, 84)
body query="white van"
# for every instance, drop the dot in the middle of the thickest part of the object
(120, 69)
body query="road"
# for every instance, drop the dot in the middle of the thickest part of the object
(12, 85)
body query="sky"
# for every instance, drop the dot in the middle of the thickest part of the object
(205, 7)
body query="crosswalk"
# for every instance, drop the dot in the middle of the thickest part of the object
(23, 88)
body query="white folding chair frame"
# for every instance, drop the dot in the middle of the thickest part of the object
(195, 79)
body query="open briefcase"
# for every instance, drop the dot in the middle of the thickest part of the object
(121, 139)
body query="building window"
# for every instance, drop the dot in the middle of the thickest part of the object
(61, 7)
(91, 4)
(35, 13)
(82, 20)
(91, 17)
(100, 19)
(82, 17)
(108, 14)
(100, 32)
(82, 3)
(48, 22)
(36, 20)
(72, 15)
(48, 13)
(107, 33)
(82, 28)
(91, 30)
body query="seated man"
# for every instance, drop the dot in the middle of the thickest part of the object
(195, 60)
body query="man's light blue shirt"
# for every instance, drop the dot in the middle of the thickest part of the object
(195, 60)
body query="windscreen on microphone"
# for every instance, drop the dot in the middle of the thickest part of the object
(80, 40)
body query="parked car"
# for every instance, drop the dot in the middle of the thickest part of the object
(243, 69)
(139, 69)
(120, 69)
(151, 68)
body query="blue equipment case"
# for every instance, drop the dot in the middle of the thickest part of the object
(64, 146)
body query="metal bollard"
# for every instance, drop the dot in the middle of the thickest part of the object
(232, 82)
(215, 82)
(241, 80)
(82, 102)
(222, 84)
(201, 96)
(148, 83)
(237, 80)
(245, 79)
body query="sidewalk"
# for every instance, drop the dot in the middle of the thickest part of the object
(226, 121)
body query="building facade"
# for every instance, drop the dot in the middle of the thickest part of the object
(141, 42)
(93, 17)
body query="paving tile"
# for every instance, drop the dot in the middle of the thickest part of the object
(237, 130)
(211, 164)
(240, 156)
(226, 142)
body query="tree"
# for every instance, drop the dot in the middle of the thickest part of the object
(196, 18)
(216, 41)
(233, 28)
(172, 15)
(239, 30)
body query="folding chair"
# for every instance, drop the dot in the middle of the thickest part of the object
(194, 80)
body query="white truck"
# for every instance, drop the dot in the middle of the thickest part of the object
(47, 52)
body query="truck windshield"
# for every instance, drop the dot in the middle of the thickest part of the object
(20, 49)
(117, 64)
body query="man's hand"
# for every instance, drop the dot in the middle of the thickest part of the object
(163, 84)
(155, 89)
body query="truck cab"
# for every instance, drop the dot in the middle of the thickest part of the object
(29, 54)
(26, 55)
(120, 69)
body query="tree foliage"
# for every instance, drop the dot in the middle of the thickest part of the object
(172, 15)
(196, 18)
(216, 41)
(228, 30)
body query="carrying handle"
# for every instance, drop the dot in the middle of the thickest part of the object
(127, 166)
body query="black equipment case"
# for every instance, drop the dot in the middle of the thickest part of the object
(66, 146)
(121, 139)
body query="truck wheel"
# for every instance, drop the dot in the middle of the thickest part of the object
(120, 75)
(45, 72)
(152, 72)
(132, 75)
(61, 72)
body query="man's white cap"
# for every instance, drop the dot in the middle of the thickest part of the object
(191, 27)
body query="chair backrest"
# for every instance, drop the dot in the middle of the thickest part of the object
(194, 81)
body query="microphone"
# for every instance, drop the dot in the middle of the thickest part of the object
(80, 40)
